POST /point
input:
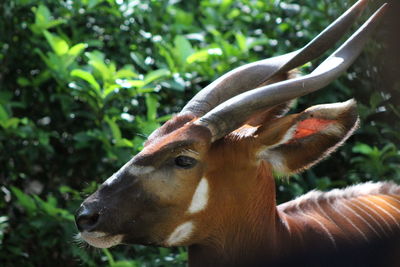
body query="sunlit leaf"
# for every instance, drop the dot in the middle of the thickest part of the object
(57, 44)
(77, 49)
(183, 47)
(155, 75)
(203, 55)
(87, 76)
(42, 15)
(241, 41)
(124, 143)
(125, 73)
(96, 60)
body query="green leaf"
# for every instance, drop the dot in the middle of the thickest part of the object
(10, 123)
(203, 55)
(96, 60)
(57, 44)
(362, 149)
(87, 76)
(225, 5)
(125, 73)
(155, 75)
(139, 60)
(77, 49)
(124, 264)
(116, 132)
(43, 19)
(24, 200)
(50, 208)
(123, 142)
(181, 17)
(93, 3)
(133, 83)
(151, 104)
(147, 127)
(241, 41)
(3, 114)
(109, 256)
(168, 55)
(22, 81)
(42, 15)
(110, 89)
(53, 23)
(164, 118)
(183, 48)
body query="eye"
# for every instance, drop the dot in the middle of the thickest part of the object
(185, 162)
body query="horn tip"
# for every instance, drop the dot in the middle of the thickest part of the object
(360, 5)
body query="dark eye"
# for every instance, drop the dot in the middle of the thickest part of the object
(185, 162)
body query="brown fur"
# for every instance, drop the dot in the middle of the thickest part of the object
(241, 225)
(248, 229)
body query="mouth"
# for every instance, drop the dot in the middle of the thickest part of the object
(100, 239)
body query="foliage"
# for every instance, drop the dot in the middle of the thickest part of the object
(82, 83)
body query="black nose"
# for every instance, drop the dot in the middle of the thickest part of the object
(86, 218)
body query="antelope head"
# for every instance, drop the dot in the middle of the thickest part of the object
(207, 164)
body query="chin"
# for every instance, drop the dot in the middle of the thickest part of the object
(100, 239)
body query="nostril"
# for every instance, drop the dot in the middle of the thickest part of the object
(87, 222)
(86, 219)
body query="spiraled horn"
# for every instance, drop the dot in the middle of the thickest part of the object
(252, 75)
(231, 114)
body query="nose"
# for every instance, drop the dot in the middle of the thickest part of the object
(86, 218)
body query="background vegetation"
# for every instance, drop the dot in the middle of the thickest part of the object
(82, 83)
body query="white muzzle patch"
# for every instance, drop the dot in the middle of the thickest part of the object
(100, 239)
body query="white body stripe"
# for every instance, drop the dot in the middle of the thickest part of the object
(324, 214)
(385, 211)
(374, 211)
(369, 215)
(387, 203)
(348, 220)
(323, 227)
(391, 197)
(359, 216)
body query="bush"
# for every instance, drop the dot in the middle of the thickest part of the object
(84, 82)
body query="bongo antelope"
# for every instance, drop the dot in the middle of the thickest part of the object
(205, 178)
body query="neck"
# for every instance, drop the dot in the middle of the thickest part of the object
(250, 234)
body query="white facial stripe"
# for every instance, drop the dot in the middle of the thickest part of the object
(180, 234)
(133, 170)
(136, 170)
(200, 197)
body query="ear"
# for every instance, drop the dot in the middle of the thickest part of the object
(296, 142)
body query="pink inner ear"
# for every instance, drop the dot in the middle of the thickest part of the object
(310, 126)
